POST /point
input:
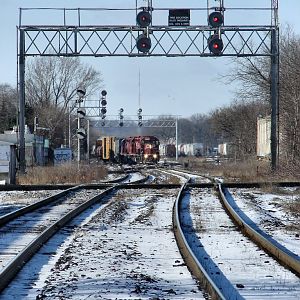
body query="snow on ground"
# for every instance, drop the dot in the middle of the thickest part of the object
(273, 213)
(195, 178)
(253, 273)
(179, 175)
(13, 200)
(134, 177)
(18, 233)
(122, 250)
(112, 176)
(163, 177)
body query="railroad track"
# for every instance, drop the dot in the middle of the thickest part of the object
(222, 276)
(25, 230)
(217, 261)
(132, 240)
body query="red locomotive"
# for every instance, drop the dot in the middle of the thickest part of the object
(143, 149)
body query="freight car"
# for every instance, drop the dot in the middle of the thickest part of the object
(194, 149)
(144, 149)
(108, 148)
(167, 150)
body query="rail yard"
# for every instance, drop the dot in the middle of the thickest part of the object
(108, 190)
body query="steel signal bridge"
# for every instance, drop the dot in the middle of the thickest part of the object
(180, 36)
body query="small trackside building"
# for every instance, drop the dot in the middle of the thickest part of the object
(263, 145)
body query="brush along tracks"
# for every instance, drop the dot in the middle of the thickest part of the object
(228, 264)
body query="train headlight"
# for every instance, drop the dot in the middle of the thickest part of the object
(146, 155)
(154, 155)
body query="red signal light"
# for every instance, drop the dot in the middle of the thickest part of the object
(143, 43)
(215, 19)
(143, 18)
(215, 44)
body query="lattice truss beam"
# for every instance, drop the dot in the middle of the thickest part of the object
(134, 123)
(94, 115)
(166, 41)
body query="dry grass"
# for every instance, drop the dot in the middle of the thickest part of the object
(293, 207)
(67, 173)
(172, 179)
(250, 170)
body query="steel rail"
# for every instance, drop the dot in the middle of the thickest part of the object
(212, 179)
(10, 271)
(186, 252)
(34, 187)
(30, 208)
(239, 185)
(283, 255)
(286, 257)
(150, 186)
(117, 180)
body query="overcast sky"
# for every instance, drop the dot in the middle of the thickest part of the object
(178, 86)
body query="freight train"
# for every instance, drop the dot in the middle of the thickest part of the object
(136, 149)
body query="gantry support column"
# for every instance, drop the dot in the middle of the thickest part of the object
(274, 98)
(21, 129)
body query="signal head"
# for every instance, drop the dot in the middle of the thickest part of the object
(103, 110)
(215, 19)
(104, 93)
(143, 43)
(143, 18)
(215, 44)
(81, 92)
(103, 102)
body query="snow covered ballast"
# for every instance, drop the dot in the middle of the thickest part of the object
(286, 257)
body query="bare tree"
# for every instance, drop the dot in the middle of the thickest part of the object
(236, 125)
(254, 76)
(202, 131)
(51, 85)
(185, 131)
(8, 106)
(165, 134)
(290, 97)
